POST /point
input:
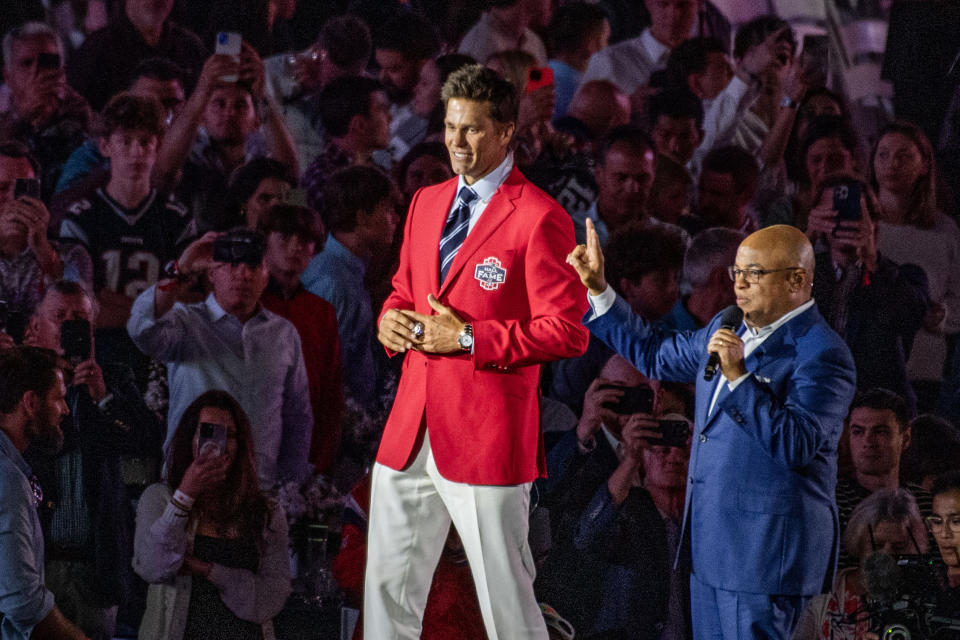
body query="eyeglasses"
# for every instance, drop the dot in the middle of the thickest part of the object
(937, 523)
(753, 276)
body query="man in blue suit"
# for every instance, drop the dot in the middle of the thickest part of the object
(760, 509)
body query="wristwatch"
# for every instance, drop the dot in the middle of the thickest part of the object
(465, 337)
(172, 271)
(789, 103)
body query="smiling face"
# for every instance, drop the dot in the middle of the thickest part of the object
(476, 142)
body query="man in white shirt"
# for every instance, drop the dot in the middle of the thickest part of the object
(629, 64)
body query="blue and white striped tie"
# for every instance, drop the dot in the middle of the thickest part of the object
(455, 230)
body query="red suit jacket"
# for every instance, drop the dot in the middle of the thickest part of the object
(511, 281)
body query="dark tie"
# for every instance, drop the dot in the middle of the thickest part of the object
(455, 231)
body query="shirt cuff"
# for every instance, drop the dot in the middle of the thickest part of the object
(603, 302)
(736, 383)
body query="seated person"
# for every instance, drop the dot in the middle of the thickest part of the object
(212, 545)
(230, 342)
(886, 523)
(878, 431)
(293, 234)
(29, 260)
(616, 500)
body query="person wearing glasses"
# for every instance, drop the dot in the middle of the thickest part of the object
(944, 524)
(760, 508)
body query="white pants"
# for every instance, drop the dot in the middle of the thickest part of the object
(410, 515)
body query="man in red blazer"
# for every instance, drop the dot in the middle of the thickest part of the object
(480, 299)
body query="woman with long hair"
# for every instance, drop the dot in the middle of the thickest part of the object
(212, 546)
(913, 229)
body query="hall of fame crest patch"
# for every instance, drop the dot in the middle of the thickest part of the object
(490, 274)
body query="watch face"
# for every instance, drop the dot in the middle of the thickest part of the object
(466, 341)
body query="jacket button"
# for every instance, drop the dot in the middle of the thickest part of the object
(703, 438)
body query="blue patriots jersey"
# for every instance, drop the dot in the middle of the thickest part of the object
(128, 247)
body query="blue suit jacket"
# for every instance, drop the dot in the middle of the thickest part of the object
(760, 507)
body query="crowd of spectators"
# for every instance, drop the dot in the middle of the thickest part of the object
(221, 230)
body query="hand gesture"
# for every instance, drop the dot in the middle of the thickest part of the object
(89, 374)
(33, 215)
(758, 57)
(596, 407)
(396, 331)
(42, 97)
(640, 432)
(198, 256)
(822, 218)
(251, 70)
(194, 566)
(216, 66)
(440, 331)
(587, 259)
(205, 472)
(729, 347)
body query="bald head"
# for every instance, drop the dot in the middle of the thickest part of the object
(776, 265)
(600, 106)
(784, 243)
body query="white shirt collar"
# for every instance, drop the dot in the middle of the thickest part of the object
(763, 332)
(611, 440)
(486, 186)
(655, 49)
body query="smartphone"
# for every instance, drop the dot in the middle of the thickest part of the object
(75, 341)
(228, 43)
(675, 433)
(212, 435)
(637, 399)
(815, 59)
(48, 62)
(26, 187)
(539, 77)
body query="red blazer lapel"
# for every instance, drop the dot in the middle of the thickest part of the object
(498, 210)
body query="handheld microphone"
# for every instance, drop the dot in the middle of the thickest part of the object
(730, 319)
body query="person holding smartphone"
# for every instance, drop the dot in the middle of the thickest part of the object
(211, 544)
(29, 260)
(853, 281)
(615, 491)
(86, 517)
